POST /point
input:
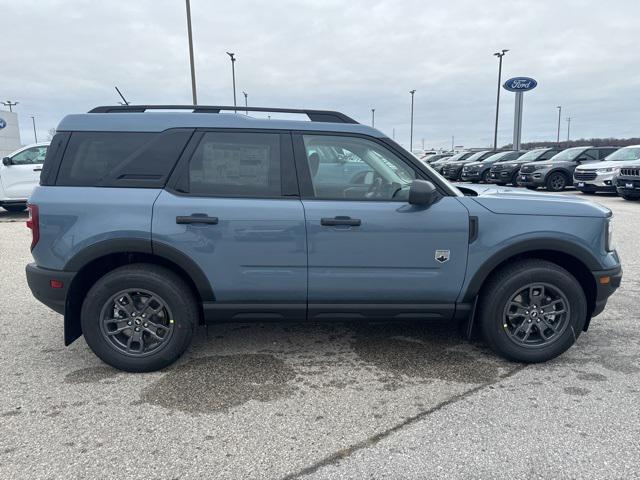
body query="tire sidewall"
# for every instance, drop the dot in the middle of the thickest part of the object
(550, 178)
(493, 320)
(181, 307)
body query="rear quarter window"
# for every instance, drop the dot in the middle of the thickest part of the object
(121, 159)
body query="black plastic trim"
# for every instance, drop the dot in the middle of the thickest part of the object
(219, 312)
(474, 224)
(39, 279)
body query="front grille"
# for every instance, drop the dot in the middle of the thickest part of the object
(528, 169)
(585, 175)
(630, 172)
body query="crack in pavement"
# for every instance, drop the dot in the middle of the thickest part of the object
(368, 442)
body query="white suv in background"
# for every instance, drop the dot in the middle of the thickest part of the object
(19, 174)
(600, 176)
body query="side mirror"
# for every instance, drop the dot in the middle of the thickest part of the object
(422, 192)
(6, 161)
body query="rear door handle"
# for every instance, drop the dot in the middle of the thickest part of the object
(196, 218)
(330, 222)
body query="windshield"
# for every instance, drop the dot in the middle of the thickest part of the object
(476, 156)
(624, 154)
(532, 155)
(457, 156)
(568, 154)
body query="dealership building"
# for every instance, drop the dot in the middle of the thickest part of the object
(9, 133)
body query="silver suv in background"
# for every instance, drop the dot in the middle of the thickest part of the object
(600, 177)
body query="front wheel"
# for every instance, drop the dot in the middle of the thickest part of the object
(139, 317)
(630, 197)
(532, 311)
(556, 182)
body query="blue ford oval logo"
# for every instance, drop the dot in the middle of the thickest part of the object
(3, 123)
(520, 84)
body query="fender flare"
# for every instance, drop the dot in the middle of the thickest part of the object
(556, 245)
(146, 246)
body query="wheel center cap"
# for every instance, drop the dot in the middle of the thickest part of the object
(534, 314)
(138, 321)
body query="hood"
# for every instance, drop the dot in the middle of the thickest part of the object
(613, 164)
(473, 164)
(514, 201)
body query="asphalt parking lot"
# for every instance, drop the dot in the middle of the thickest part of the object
(321, 400)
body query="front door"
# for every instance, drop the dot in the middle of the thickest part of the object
(232, 208)
(371, 253)
(23, 174)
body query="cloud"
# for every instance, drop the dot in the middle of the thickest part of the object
(64, 57)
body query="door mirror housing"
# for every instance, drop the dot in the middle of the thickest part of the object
(423, 193)
(6, 161)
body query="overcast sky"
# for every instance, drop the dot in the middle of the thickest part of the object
(62, 57)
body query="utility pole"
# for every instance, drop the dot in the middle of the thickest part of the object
(495, 132)
(568, 127)
(35, 135)
(393, 134)
(452, 138)
(373, 117)
(191, 62)
(10, 104)
(559, 114)
(423, 144)
(246, 105)
(122, 97)
(412, 92)
(233, 76)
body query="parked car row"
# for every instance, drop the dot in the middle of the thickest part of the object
(588, 169)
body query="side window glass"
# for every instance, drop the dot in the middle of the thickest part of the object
(30, 156)
(548, 155)
(236, 164)
(591, 154)
(361, 170)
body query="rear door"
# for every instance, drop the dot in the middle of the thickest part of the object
(20, 178)
(232, 207)
(371, 253)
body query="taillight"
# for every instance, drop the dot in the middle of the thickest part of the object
(33, 224)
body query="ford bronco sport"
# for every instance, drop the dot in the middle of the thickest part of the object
(146, 224)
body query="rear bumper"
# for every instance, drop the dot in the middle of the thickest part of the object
(605, 290)
(40, 283)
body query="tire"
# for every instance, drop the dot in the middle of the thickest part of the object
(514, 180)
(176, 322)
(556, 182)
(15, 208)
(630, 197)
(588, 192)
(485, 177)
(531, 187)
(502, 184)
(497, 293)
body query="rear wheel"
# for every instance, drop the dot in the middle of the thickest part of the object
(532, 311)
(139, 317)
(15, 208)
(556, 182)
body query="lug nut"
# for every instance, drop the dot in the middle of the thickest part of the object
(145, 324)
(129, 322)
(137, 329)
(144, 315)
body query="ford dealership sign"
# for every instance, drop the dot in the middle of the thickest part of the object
(520, 84)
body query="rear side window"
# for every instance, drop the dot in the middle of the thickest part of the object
(236, 164)
(121, 159)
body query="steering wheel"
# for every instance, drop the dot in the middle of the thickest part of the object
(377, 188)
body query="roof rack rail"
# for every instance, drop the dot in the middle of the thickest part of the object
(314, 115)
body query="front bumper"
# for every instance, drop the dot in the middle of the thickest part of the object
(41, 282)
(502, 176)
(628, 186)
(607, 282)
(533, 179)
(604, 182)
(470, 175)
(452, 174)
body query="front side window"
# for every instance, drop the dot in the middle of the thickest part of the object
(30, 156)
(364, 170)
(236, 164)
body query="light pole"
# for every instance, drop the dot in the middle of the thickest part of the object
(495, 132)
(35, 135)
(233, 76)
(373, 117)
(452, 138)
(10, 104)
(568, 127)
(559, 114)
(246, 105)
(412, 92)
(191, 63)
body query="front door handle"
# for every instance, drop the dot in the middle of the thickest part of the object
(37, 169)
(330, 222)
(197, 218)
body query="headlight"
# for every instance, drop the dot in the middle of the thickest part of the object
(608, 170)
(609, 245)
(509, 165)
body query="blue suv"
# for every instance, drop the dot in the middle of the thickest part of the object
(146, 224)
